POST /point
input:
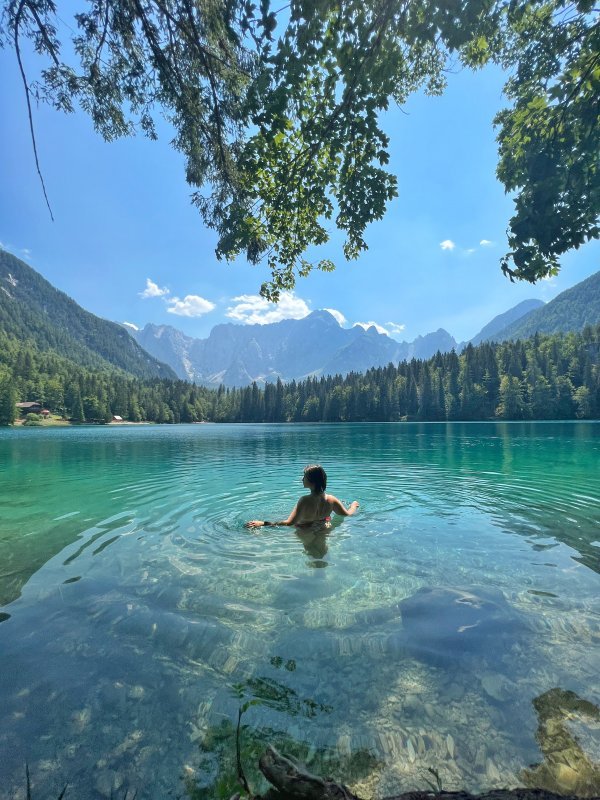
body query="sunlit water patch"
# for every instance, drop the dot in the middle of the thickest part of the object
(452, 624)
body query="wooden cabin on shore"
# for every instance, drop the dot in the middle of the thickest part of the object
(30, 408)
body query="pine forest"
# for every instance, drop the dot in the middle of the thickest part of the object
(545, 377)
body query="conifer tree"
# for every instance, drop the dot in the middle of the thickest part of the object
(8, 401)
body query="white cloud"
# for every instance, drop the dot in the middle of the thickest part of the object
(252, 309)
(153, 290)
(131, 325)
(192, 305)
(337, 314)
(394, 327)
(486, 243)
(26, 252)
(379, 328)
(470, 251)
(447, 244)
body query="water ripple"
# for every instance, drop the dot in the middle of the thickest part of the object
(155, 599)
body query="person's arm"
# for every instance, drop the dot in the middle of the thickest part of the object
(340, 509)
(258, 523)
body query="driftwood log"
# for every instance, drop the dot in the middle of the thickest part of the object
(293, 782)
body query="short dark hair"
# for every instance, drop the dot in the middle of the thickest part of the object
(316, 475)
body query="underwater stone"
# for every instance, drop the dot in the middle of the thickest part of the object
(480, 758)
(412, 703)
(450, 745)
(495, 686)
(107, 782)
(491, 770)
(454, 692)
(566, 776)
(81, 719)
(441, 623)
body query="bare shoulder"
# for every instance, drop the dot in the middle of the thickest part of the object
(340, 508)
(332, 499)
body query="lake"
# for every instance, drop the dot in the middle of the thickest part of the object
(452, 624)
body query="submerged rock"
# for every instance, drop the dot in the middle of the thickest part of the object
(568, 766)
(496, 686)
(441, 623)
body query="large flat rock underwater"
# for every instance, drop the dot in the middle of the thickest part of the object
(440, 626)
(440, 622)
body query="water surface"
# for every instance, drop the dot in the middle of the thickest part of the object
(133, 600)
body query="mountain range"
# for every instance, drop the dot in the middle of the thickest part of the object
(237, 355)
(31, 309)
(293, 349)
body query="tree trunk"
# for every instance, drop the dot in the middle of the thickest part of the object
(293, 782)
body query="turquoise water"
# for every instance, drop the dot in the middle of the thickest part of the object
(419, 633)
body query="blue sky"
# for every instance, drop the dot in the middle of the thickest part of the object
(127, 244)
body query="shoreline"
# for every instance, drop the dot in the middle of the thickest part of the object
(60, 423)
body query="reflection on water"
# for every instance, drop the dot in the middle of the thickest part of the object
(426, 626)
(315, 545)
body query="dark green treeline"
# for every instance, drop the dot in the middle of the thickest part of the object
(546, 377)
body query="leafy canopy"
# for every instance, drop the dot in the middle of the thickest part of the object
(277, 112)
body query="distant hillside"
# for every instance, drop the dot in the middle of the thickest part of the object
(502, 321)
(32, 309)
(571, 310)
(293, 349)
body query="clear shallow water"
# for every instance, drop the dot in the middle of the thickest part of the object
(133, 599)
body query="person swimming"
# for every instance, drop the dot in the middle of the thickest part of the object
(315, 507)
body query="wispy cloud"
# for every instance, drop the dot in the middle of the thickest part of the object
(390, 329)
(252, 309)
(192, 305)
(131, 325)
(394, 327)
(549, 287)
(153, 290)
(448, 244)
(337, 314)
(25, 252)
(379, 328)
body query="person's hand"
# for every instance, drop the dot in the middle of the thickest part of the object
(355, 503)
(254, 523)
